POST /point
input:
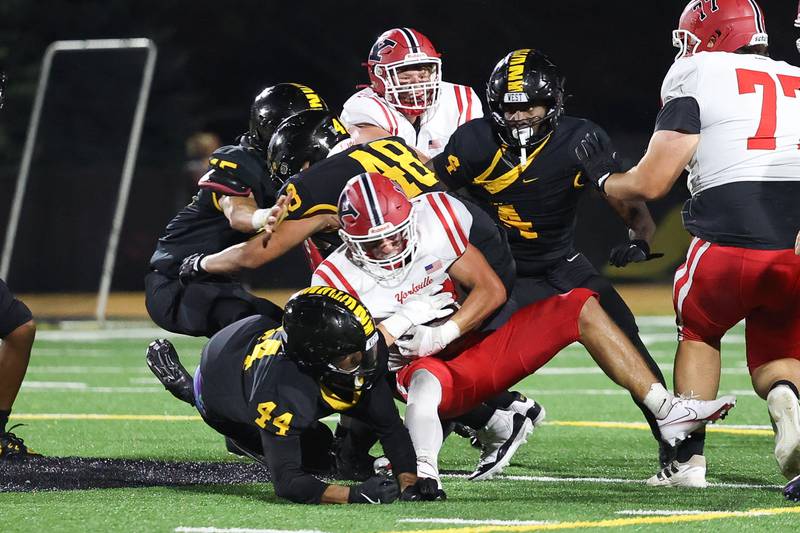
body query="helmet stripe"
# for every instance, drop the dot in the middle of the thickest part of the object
(371, 199)
(412, 39)
(758, 16)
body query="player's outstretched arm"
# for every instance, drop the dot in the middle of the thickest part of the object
(239, 211)
(486, 291)
(253, 254)
(667, 155)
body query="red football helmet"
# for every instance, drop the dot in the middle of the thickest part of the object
(378, 226)
(719, 26)
(395, 50)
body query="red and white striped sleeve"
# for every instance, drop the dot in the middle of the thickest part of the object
(327, 273)
(467, 103)
(363, 109)
(453, 218)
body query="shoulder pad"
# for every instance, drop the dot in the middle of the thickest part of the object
(233, 171)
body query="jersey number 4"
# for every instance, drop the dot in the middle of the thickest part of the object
(764, 138)
(281, 422)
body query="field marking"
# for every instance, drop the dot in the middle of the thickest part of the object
(612, 481)
(476, 522)
(619, 522)
(731, 430)
(97, 416)
(662, 512)
(72, 386)
(184, 529)
(592, 370)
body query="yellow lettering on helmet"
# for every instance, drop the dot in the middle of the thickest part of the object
(516, 66)
(360, 312)
(314, 101)
(339, 127)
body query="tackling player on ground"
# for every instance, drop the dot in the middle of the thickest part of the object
(730, 117)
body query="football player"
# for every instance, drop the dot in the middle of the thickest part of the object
(234, 203)
(305, 139)
(396, 248)
(520, 164)
(17, 331)
(267, 387)
(407, 97)
(729, 115)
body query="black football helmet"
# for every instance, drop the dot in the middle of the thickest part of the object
(323, 325)
(524, 78)
(275, 104)
(307, 136)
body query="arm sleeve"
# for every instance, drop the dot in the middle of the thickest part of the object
(382, 414)
(290, 481)
(681, 81)
(367, 110)
(679, 114)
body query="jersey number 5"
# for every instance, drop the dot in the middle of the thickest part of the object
(764, 138)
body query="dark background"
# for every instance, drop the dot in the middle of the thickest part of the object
(213, 57)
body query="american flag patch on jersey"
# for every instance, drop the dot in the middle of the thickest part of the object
(436, 265)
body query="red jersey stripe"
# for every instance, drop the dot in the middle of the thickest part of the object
(446, 225)
(469, 103)
(321, 273)
(389, 120)
(460, 104)
(336, 272)
(456, 223)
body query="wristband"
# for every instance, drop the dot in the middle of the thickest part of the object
(450, 331)
(396, 325)
(259, 219)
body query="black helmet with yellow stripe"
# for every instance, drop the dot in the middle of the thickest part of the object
(332, 335)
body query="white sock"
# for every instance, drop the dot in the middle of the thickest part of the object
(422, 421)
(658, 400)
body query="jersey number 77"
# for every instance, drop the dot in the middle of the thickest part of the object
(764, 138)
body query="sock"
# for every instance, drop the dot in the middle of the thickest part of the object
(658, 400)
(692, 446)
(422, 421)
(778, 383)
(477, 417)
(501, 400)
(4, 420)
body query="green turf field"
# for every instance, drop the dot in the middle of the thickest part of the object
(94, 397)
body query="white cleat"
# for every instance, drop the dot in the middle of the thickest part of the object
(692, 473)
(687, 414)
(784, 410)
(505, 432)
(528, 407)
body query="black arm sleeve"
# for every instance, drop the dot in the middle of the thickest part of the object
(681, 115)
(383, 416)
(290, 481)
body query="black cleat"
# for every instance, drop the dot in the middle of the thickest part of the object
(164, 363)
(12, 448)
(792, 490)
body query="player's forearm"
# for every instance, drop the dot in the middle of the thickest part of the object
(637, 217)
(482, 301)
(335, 494)
(228, 261)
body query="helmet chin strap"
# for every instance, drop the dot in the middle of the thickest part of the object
(523, 135)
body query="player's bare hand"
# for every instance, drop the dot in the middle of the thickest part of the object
(275, 216)
(797, 244)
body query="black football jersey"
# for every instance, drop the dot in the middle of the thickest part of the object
(534, 200)
(268, 390)
(202, 226)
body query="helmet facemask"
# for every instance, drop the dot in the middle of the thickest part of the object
(354, 378)
(366, 254)
(686, 43)
(411, 98)
(524, 134)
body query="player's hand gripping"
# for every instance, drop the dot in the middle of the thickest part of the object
(597, 159)
(418, 309)
(377, 489)
(634, 251)
(267, 220)
(427, 340)
(191, 269)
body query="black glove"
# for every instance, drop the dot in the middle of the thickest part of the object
(635, 251)
(190, 269)
(376, 489)
(597, 159)
(424, 490)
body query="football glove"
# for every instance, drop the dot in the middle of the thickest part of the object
(376, 489)
(424, 490)
(427, 340)
(190, 269)
(598, 162)
(418, 309)
(634, 251)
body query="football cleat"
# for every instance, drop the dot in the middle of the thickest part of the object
(164, 363)
(687, 414)
(692, 473)
(784, 410)
(792, 490)
(462, 430)
(527, 407)
(502, 436)
(13, 448)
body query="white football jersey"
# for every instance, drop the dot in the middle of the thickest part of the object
(443, 226)
(457, 104)
(749, 117)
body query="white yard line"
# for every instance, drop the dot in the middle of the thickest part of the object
(663, 512)
(185, 529)
(551, 479)
(490, 522)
